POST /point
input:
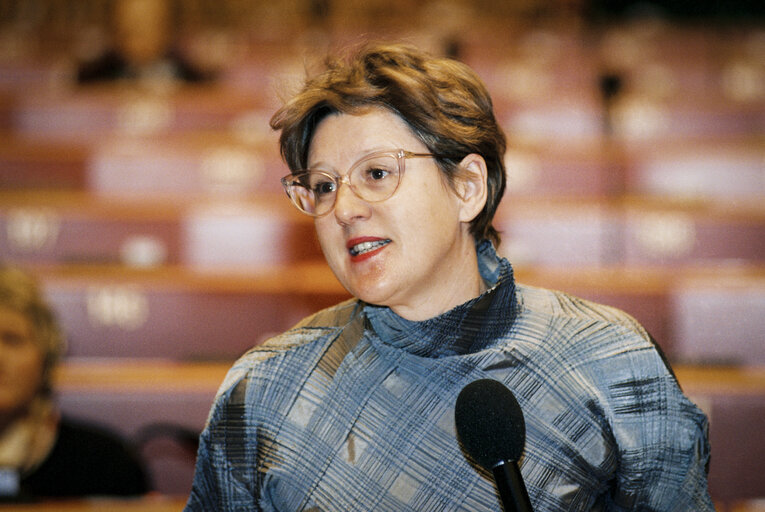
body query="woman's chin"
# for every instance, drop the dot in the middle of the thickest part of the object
(370, 297)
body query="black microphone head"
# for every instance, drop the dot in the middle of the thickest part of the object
(490, 423)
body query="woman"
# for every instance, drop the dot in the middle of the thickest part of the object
(353, 409)
(41, 454)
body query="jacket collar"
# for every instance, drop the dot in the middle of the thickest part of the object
(468, 328)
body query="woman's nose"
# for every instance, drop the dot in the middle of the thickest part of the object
(349, 206)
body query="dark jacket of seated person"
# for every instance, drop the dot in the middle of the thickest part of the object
(85, 461)
(43, 455)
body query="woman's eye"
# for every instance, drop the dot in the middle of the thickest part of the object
(323, 188)
(376, 174)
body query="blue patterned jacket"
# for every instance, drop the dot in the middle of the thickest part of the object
(353, 409)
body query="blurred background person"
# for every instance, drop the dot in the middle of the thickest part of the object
(143, 47)
(43, 454)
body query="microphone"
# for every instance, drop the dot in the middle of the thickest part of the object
(491, 429)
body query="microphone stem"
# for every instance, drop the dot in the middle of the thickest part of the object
(512, 491)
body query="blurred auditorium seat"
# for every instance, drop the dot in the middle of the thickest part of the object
(271, 67)
(130, 229)
(734, 400)
(754, 505)
(180, 314)
(547, 231)
(527, 65)
(551, 119)
(630, 231)
(697, 314)
(262, 232)
(233, 161)
(657, 59)
(548, 170)
(6, 109)
(641, 291)
(40, 164)
(24, 71)
(172, 313)
(90, 113)
(663, 231)
(170, 451)
(221, 163)
(641, 120)
(77, 227)
(718, 318)
(705, 169)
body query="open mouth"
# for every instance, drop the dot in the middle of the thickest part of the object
(367, 247)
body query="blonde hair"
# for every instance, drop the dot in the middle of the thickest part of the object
(20, 292)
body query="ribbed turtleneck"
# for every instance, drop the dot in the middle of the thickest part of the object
(465, 329)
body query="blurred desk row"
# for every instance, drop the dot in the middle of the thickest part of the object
(151, 230)
(179, 313)
(149, 504)
(245, 162)
(668, 81)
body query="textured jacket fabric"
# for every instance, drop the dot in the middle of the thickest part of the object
(353, 409)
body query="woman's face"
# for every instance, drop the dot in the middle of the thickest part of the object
(423, 261)
(21, 362)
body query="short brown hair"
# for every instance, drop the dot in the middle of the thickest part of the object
(443, 101)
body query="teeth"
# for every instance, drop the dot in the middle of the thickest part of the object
(367, 246)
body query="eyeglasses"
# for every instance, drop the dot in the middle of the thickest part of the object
(373, 178)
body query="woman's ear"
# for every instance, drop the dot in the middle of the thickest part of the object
(471, 186)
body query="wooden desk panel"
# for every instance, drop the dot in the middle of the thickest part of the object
(665, 232)
(734, 400)
(93, 112)
(641, 119)
(39, 164)
(183, 314)
(707, 168)
(720, 318)
(217, 164)
(55, 227)
(559, 232)
(71, 227)
(585, 169)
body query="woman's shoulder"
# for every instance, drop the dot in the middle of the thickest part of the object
(311, 329)
(570, 332)
(562, 308)
(297, 348)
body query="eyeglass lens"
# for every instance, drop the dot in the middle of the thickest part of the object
(372, 179)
